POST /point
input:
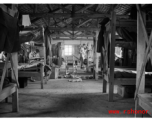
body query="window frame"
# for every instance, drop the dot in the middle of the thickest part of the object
(69, 51)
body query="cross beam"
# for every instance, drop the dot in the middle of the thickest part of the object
(84, 22)
(73, 39)
(130, 24)
(64, 29)
(60, 35)
(76, 15)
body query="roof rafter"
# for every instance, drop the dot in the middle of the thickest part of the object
(65, 9)
(84, 22)
(51, 11)
(85, 8)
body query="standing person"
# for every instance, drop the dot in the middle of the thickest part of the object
(75, 66)
(82, 54)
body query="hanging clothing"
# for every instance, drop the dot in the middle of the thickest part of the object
(2, 57)
(9, 33)
(100, 42)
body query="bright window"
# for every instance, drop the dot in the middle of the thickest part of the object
(68, 49)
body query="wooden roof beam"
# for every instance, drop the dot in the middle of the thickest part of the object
(63, 29)
(130, 23)
(84, 22)
(112, 6)
(97, 8)
(74, 29)
(85, 8)
(65, 9)
(58, 9)
(50, 7)
(35, 8)
(51, 11)
(84, 39)
(76, 15)
(69, 32)
(60, 35)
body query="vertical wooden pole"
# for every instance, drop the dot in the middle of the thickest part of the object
(3, 74)
(15, 101)
(140, 56)
(60, 54)
(73, 62)
(44, 45)
(112, 55)
(104, 62)
(44, 51)
(50, 50)
(140, 52)
(41, 75)
(94, 49)
(96, 56)
(87, 69)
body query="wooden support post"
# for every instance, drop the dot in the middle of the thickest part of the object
(96, 57)
(112, 56)
(41, 72)
(44, 44)
(60, 54)
(87, 69)
(94, 43)
(141, 40)
(50, 50)
(3, 74)
(73, 63)
(15, 101)
(140, 52)
(42, 67)
(104, 89)
(104, 53)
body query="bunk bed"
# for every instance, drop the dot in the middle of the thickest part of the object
(144, 42)
(112, 74)
(38, 68)
(35, 69)
(127, 76)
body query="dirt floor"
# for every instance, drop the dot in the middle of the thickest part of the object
(61, 98)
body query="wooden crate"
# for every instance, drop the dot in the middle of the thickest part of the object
(55, 73)
(128, 91)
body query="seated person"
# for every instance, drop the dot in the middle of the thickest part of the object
(34, 55)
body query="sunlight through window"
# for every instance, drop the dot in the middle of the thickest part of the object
(68, 50)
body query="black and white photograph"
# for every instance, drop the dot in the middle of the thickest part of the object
(75, 60)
